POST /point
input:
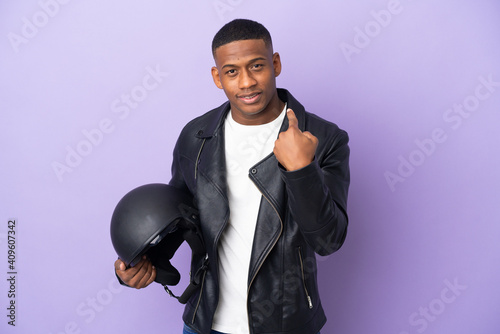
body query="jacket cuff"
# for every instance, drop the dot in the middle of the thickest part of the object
(297, 174)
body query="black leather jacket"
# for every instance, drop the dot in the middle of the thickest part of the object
(301, 213)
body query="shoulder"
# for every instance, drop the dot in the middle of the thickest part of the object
(332, 140)
(323, 128)
(205, 125)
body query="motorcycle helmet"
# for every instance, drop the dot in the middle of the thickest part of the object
(154, 220)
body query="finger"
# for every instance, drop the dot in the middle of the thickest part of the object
(120, 265)
(141, 266)
(310, 136)
(292, 119)
(132, 274)
(152, 277)
(136, 278)
(144, 276)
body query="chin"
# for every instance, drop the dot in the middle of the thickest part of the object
(250, 111)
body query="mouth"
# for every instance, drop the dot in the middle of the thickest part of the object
(249, 98)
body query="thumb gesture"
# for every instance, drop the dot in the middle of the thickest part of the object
(295, 149)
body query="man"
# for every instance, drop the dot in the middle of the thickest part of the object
(270, 181)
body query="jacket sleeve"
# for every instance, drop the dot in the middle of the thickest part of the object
(178, 171)
(317, 196)
(177, 179)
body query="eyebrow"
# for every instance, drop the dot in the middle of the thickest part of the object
(251, 61)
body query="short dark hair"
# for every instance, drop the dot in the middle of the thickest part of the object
(239, 30)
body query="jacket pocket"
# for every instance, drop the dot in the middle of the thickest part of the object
(308, 297)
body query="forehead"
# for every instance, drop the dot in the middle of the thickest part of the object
(241, 51)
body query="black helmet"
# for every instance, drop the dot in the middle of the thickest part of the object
(154, 220)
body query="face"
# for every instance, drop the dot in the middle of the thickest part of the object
(246, 71)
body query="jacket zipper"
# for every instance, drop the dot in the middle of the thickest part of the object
(267, 254)
(198, 159)
(203, 279)
(309, 301)
(199, 298)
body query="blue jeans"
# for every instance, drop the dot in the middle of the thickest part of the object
(188, 330)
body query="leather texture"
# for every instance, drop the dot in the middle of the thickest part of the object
(302, 213)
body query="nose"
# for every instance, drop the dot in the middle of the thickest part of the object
(246, 79)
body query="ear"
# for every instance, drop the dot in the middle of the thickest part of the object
(216, 77)
(276, 64)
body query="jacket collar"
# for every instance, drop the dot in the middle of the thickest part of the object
(293, 104)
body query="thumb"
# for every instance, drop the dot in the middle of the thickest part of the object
(292, 119)
(120, 265)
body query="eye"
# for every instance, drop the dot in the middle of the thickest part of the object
(257, 66)
(231, 72)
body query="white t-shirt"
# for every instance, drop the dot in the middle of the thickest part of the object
(245, 145)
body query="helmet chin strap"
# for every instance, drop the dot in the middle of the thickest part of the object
(161, 254)
(194, 283)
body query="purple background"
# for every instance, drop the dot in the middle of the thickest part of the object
(389, 80)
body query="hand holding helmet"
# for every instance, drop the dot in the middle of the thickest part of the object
(139, 276)
(147, 227)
